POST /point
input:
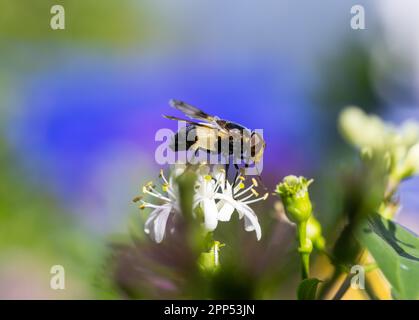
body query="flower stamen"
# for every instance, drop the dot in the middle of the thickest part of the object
(265, 196)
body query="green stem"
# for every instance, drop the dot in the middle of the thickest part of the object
(305, 259)
(304, 249)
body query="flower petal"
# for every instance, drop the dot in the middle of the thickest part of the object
(225, 211)
(210, 214)
(251, 222)
(150, 220)
(156, 222)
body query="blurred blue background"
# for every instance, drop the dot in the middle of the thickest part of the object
(80, 107)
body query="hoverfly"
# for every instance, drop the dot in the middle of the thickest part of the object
(210, 134)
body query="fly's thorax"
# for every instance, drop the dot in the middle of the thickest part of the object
(184, 138)
(207, 139)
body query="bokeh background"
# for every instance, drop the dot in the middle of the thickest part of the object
(79, 109)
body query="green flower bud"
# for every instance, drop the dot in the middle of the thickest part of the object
(294, 195)
(209, 261)
(306, 246)
(314, 233)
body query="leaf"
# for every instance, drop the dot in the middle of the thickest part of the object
(307, 289)
(396, 252)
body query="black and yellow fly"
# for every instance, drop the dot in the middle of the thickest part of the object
(210, 134)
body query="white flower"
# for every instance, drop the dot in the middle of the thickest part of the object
(397, 144)
(156, 222)
(409, 133)
(206, 189)
(238, 198)
(364, 130)
(217, 198)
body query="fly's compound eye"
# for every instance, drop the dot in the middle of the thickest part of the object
(256, 144)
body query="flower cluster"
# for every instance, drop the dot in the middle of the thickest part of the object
(398, 144)
(213, 194)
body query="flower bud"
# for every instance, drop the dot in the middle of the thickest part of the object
(294, 195)
(314, 233)
(209, 261)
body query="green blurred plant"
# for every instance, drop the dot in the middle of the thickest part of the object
(390, 155)
(27, 20)
(35, 232)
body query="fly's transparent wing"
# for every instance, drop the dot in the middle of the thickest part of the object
(191, 111)
(199, 124)
(195, 113)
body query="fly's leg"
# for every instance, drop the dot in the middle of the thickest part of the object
(226, 166)
(195, 149)
(235, 177)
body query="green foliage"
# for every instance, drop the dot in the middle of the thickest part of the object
(34, 227)
(113, 22)
(307, 289)
(396, 252)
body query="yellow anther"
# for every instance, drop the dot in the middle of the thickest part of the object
(242, 178)
(241, 185)
(208, 177)
(137, 198)
(165, 187)
(255, 183)
(142, 206)
(266, 196)
(161, 173)
(255, 192)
